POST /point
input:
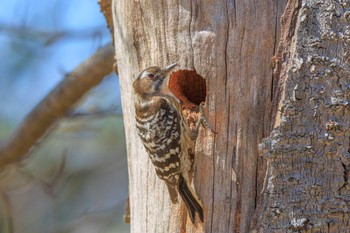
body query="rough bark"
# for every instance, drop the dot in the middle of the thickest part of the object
(308, 151)
(230, 44)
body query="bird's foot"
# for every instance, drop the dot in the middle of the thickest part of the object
(203, 121)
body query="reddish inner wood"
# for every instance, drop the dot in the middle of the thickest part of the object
(189, 87)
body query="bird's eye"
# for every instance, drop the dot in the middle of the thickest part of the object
(151, 75)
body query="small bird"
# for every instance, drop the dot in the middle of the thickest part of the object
(165, 135)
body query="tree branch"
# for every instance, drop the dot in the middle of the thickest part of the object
(56, 104)
(49, 37)
(103, 113)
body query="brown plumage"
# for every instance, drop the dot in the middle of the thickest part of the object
(165, 135)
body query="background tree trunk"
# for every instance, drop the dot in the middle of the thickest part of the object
(230, 44)
(308, 151)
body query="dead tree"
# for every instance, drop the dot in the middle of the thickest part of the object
(286, 81)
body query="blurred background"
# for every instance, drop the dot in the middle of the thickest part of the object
(75, 180)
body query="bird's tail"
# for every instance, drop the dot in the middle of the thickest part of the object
(191, 199)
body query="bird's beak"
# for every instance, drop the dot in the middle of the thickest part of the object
(165, 86)
(167, 69)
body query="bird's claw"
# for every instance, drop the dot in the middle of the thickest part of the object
(203, 121)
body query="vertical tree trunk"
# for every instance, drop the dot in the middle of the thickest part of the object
(308, 186)
(230, 44)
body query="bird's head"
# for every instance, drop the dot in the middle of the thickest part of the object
(153, 82)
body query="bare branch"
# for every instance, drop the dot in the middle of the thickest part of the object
(101, 113)
(49, 37)
(56, 104)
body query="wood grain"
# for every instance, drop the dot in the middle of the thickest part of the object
(230, 44)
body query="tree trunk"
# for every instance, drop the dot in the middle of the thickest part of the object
(308, 151)
(230, 44)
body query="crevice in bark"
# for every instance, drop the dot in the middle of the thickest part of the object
(274, 52)
(345, 176)
(189, 33)
(228, 97)
(279, 72)
(227, 153)
(213, 198)
(288, 24)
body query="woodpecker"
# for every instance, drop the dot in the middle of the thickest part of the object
(165, 135)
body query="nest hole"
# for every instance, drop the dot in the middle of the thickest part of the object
(190, 88)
